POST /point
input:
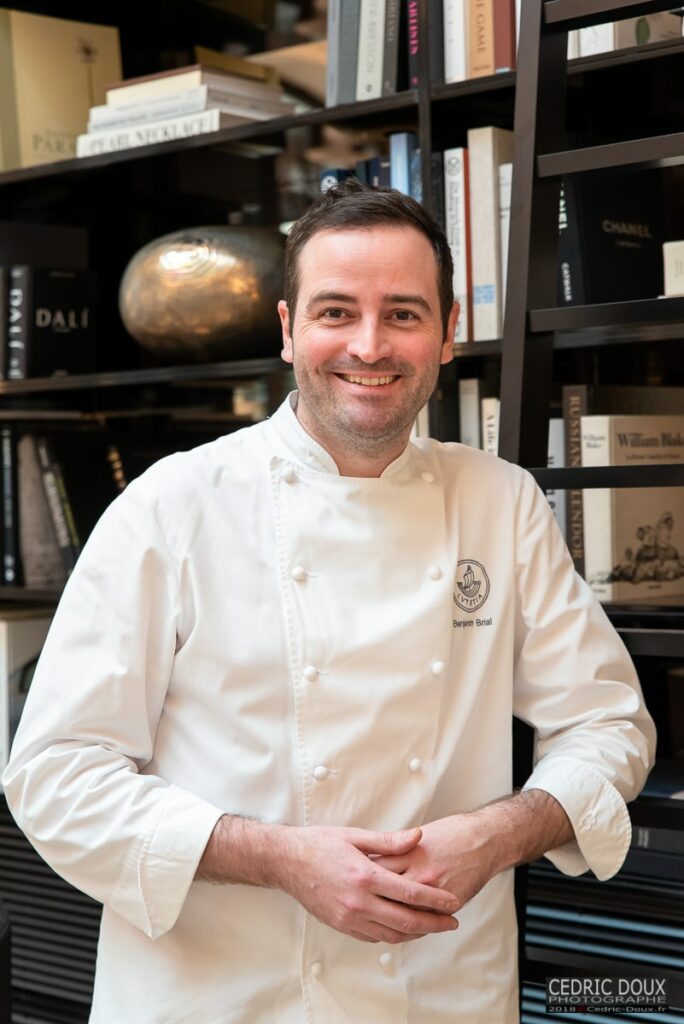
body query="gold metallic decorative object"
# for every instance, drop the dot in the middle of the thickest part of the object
(206, 294)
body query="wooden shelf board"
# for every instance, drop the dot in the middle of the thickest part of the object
(633, 154)
(153, 375)
(669, 475)
(656, 312)
(473, 86)
(576, 13)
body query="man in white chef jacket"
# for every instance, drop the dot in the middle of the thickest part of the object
(271, 726)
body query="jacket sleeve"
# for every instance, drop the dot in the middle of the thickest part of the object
(75, 781)
(577, 686)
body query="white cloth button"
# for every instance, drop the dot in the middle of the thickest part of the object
(311, 673)
(320, 772)
(289, 476)
(317, 968)
(298, 573)
(429, 478)
(415, 764)
(385, 959)
(437, 667)
(434, 572)
(588, 821)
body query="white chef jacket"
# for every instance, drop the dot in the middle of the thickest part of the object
(248, 631)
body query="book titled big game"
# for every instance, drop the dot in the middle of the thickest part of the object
(50, 322)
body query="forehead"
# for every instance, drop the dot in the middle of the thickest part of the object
(400, 257)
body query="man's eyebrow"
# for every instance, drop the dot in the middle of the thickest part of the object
(401, 300)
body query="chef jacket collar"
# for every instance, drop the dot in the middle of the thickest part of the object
(305, 449)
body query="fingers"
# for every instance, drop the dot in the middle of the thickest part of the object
(404, 921)
(401, 889)
(392, 863)
(385, 842)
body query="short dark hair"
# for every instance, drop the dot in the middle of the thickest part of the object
(351, 204)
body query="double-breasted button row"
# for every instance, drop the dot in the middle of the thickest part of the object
(385, 960)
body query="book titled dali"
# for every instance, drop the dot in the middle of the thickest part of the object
(633, 537)
(50, 326)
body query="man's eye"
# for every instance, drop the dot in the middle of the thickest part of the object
(405, 314)
(333, 314)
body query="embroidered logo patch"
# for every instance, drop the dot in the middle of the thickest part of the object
(472, 585)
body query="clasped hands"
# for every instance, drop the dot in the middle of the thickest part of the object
(393, 886)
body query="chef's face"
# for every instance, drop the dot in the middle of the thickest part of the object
(367, 338)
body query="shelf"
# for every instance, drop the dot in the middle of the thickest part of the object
(268, 132)
(634, 155)
(473, 349)
(665, 311)
(653, 643)
(29, 596)
(668, 475)
(579, 13)
(657, 812)
(154, 375)
(472, 86)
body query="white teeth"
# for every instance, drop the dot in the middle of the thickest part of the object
(371, 381)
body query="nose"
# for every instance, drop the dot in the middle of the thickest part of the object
(369, 341)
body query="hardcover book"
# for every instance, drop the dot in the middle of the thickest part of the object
(22, 635)
(50, 326)
(633, 537)
(51, 72)
(457, 221)
(40, 553)
(481, 58)
(611, 231)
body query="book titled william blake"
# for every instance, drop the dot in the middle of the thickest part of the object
(50, 322)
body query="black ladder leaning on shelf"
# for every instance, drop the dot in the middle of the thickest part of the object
(541, 158)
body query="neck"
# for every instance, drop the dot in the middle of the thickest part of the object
(354, 456)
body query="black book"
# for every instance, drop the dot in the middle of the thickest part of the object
(4, 288)
(50, 322)
(413, 43)
(390, 56)
(611, 231)
(347, 50)
(12, 574)
(436, 41)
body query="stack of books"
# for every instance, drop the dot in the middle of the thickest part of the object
(180, 103)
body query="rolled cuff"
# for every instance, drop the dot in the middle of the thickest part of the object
(156, 882)
(597, 813)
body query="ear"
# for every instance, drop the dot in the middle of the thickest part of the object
(448, 343)
(287, 354)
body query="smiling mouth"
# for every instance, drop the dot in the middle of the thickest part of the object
(372, 382)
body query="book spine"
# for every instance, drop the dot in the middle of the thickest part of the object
(413, 43)
(371, 30)
(597, 506)
(390, 57)
(437, 185)
(504, 35)
(490, 425)
(480, 38)
(332, 71)
(350, 19)
(469, 411)
(4, 315)
(415, 176)
(240, 106)
(11, 562)
(455, 41)
(457, 221)
(402, 146)
(10, 147)
(575, 405)
(571, 289)
(436, 40)
(104, 117)
(556, 460)
(59, 505)
(661, 840)
(154, 132)
(487, 149)
(596, 39)
(18, 322)
(505, 182)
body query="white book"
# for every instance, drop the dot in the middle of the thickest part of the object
(573, 44)
(556, 460)
(192, 101)
(673, 266)
(421, 425)
(332, 67)
(371, 48)
(505, 180)
(488, 148)
(455, 41)
(518, 5)
(156, 131)
(633, 537)
(650, 28)
(22, 635)
(469, 411)
(146, 89)
(457, 222)
(490, 425)
(596, 39)
(402, 146)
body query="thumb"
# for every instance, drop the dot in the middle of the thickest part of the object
(389, 842)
